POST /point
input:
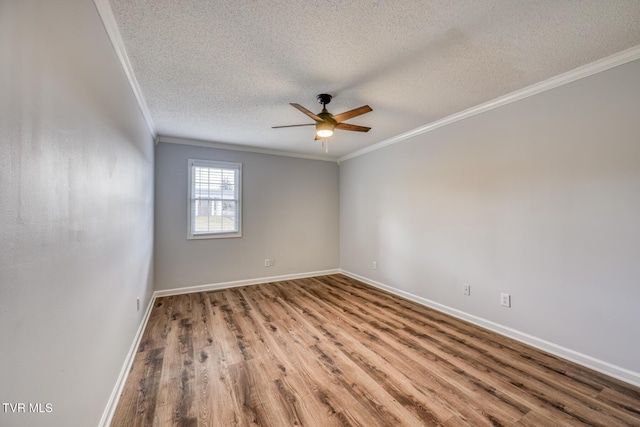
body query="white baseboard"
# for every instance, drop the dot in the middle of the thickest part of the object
(237, 283)
(557, 350)
(579, 358)
(107, 415)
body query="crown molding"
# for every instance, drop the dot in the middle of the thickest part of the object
(235, 147)
(104, 10)
(111, 26)
(598, 66)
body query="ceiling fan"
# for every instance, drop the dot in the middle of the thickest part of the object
(326, 122)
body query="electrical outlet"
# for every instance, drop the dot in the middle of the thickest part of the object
(505, 300)
(272, 262)
(466, 289)
(375, 265)
(138, 304)
(266, 262)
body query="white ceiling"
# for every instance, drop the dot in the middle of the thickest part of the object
(226, 71)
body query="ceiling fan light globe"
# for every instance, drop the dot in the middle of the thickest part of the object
(324, 130)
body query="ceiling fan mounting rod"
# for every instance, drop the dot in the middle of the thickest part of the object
(324, 99)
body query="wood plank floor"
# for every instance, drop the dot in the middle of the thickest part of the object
(331, 351)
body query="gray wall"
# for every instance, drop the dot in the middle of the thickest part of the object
(290, 213)
(539, 199)
(76, 212)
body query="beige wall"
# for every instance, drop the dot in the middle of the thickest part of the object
(539, 199)
(290, 214)
(76, 213)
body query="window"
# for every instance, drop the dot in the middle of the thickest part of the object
(215, 202)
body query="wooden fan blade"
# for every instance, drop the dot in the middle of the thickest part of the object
(347, 126)
(352, 113)
(307, 112)
(292, 126)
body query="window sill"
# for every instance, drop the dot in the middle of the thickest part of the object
(214, 236)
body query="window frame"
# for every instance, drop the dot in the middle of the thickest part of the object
(215, 164)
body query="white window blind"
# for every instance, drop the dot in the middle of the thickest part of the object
(214, 199)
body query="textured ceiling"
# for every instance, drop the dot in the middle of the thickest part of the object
(226, 71)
